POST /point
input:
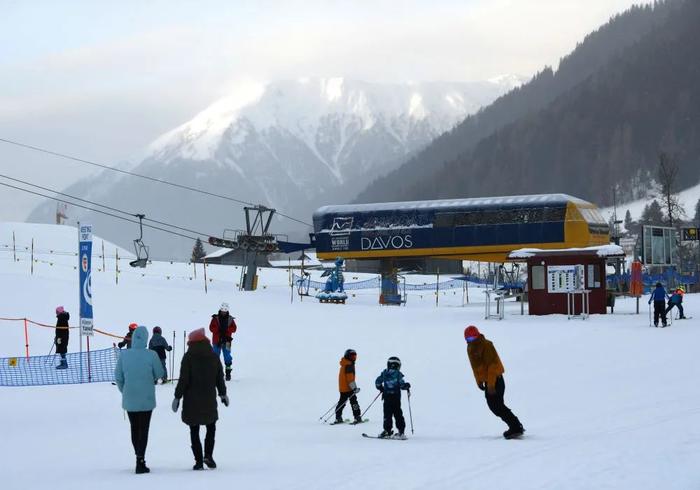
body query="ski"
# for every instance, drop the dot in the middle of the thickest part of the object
(394, 437)
(339, 422)
(359, 422)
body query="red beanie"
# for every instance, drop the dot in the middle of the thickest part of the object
(197, 336)
(471, 331)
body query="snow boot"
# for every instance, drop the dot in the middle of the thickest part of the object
(514, 432)
(209, 462)
(228, 373)
(63, 364)
(141, 466)
(401, 436)
(198, 466)
(197, 453)
(385, 433)
(209, 451)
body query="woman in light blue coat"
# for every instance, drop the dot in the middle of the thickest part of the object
(136, 374)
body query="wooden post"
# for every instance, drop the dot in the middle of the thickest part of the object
(206, 290)
(14, 247)
(104, 267)
(116, 267)
(194, 268)
(26, 338)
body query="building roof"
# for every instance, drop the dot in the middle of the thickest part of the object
(610, 250)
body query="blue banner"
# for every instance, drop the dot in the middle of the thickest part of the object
(85, 269)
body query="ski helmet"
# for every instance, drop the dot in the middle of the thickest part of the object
(471, 332)
(224, 307)
(132, 327)
(157, 330)
(393, 363)
(350, 355)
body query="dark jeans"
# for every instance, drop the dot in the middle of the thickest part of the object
(392, 408)
(140, 423)
(208, 442)
(659, 311)
(680, 309)
(498, 407)
(344, 397)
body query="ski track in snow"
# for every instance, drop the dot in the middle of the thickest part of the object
(608, 403)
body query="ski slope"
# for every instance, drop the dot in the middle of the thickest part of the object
(608, 403)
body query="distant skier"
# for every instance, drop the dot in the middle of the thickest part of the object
(222, 328)
(126, 342)
(136, 373)
(676, 300)
(390, 382)
(62, 333)
(201, 377)
(488, 372)
(658, 296)
(347, 387)
(160, 346)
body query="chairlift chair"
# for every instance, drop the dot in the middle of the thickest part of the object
(140, 249)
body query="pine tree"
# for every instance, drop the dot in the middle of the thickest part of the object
(629, 224)
(652, 214)
(198, 252)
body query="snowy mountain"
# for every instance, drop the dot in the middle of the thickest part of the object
(293, 145)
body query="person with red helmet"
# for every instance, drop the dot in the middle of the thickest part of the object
(488, 372)
(126, 342)
(222, 328)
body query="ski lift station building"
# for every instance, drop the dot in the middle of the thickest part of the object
(485, 229)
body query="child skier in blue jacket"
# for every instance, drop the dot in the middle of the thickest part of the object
(160, 346)
(390, 383)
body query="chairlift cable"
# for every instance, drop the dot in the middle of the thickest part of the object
(134, 174)
(99, 211)
(135, 215)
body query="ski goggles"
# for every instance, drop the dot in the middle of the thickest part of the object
(470, 339)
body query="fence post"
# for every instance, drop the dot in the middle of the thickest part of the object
(104, 266)
(14, 247)
(437, 289)
(116, 267)
(26, 338)
(88, 360)
(32, 258)
(206, 290)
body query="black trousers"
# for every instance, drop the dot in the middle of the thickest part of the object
(344, 397)
(140, 424)
(659, 311)
(498, 406)
(680, 309)
(392, 409)
(208, 441)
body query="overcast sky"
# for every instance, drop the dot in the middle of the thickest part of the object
(101, 80)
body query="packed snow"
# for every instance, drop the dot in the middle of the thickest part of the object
(607, 402)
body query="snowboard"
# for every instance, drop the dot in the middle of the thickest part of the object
(394, 437)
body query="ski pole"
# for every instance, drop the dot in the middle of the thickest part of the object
(327, 411)
(410, 414)
(332, 412)
(370, 405)
(48, 356)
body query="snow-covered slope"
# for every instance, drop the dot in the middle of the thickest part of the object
(607, 402)
(688, 198)
(293, 145)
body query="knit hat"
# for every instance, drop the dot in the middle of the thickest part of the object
(197, 336)
(471, 332)
(157, 330)
(132, 327)
(59, 310)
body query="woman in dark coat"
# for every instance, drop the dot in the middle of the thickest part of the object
(61, 339)
(201, 376)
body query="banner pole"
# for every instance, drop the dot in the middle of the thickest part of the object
(26, 338)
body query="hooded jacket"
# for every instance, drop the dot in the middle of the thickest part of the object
(486, 364)
(390, 382)
(346, 376)
(62, 332)
(136, 373)
(201, 376)
(159, 345)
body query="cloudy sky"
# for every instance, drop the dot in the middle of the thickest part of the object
(101, 80)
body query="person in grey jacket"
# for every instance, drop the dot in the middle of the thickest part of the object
(137, 371)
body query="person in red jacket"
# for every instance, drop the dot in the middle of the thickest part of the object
(222, 328)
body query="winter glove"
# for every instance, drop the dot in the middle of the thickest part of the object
(482, 386)
(224, 400)
(57, 341)
(176, 404)
(490, 390)
(355, 391)
(168, 348)
(407, 386)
